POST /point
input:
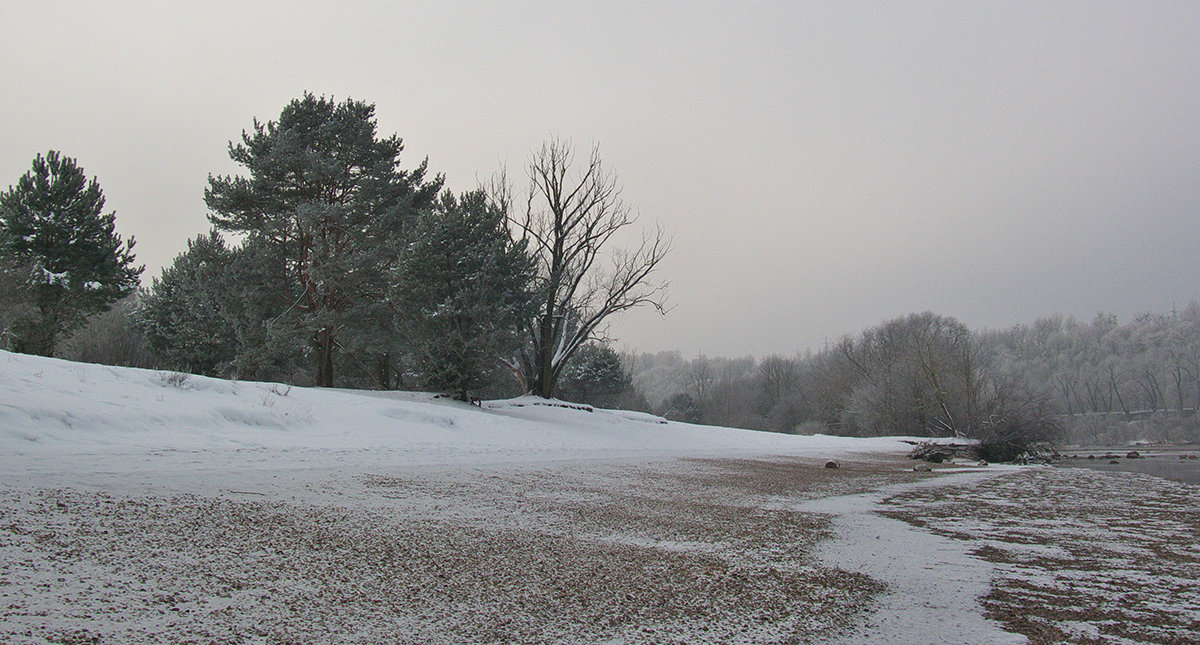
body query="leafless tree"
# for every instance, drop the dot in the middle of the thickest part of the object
(700, 380)
(777, 378)
(571, 216)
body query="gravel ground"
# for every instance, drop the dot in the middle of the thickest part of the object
(1082, 556)
(669, 552)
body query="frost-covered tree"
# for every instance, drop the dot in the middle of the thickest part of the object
(329, 195)
(217, 311)
(777, 379)
(595, 375)
(461, 291)
(53, 223)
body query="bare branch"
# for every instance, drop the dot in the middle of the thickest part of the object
(570, 220)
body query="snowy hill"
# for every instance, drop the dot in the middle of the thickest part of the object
(59, 416)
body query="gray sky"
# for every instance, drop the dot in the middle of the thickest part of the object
(823, 166)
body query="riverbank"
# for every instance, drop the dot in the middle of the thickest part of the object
(1080, 556)
(1179, 463)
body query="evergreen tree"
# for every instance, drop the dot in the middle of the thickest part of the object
(181, 315)
(216, 311)
(17, 279)
(53, 221)
(329, 196)
(594, 375)
(462, 291)
(259, 300)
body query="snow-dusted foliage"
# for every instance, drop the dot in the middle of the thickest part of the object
(222, 311)
(61, 254)
(329, 196)
(595, 375)
(461, 290)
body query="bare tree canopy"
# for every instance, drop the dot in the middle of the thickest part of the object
(571, 215)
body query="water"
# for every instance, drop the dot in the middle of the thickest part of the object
(1164, 463)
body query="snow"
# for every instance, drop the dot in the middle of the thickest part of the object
(928, 576)
(54, 278)
(199, 459)
(1078, 552)
(58, 416)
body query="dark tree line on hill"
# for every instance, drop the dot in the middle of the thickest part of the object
(348, 270)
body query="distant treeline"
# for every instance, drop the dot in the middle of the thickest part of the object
(928, 375)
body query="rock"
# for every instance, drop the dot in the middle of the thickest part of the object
(982, 462)
(922, 468)
(1133, 454)
(832, 464)
(1091, 456)
(1113, 461)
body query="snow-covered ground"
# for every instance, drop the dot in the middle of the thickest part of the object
(140, 506)
(65, 423)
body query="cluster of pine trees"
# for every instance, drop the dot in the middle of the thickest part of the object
(329, 264)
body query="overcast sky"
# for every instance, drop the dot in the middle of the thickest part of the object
(823, 166)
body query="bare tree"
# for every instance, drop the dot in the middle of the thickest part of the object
(777, 378)
(571, 215)
(700, 380)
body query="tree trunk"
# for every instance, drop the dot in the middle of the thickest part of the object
(544, 383)
(383, 371)
(324, 355)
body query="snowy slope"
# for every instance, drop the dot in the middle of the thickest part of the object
(51, 408)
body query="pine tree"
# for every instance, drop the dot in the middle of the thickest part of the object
(181, 314)
(330, 197)
(53, 221)
(462, 291)
(595, 376)
(215, 311)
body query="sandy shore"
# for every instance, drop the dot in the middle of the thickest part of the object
(675, 551)
(670, 551)
(1080, 556)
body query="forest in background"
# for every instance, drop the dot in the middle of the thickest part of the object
(1101, 381)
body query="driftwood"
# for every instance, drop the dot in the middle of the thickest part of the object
(939, 452)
